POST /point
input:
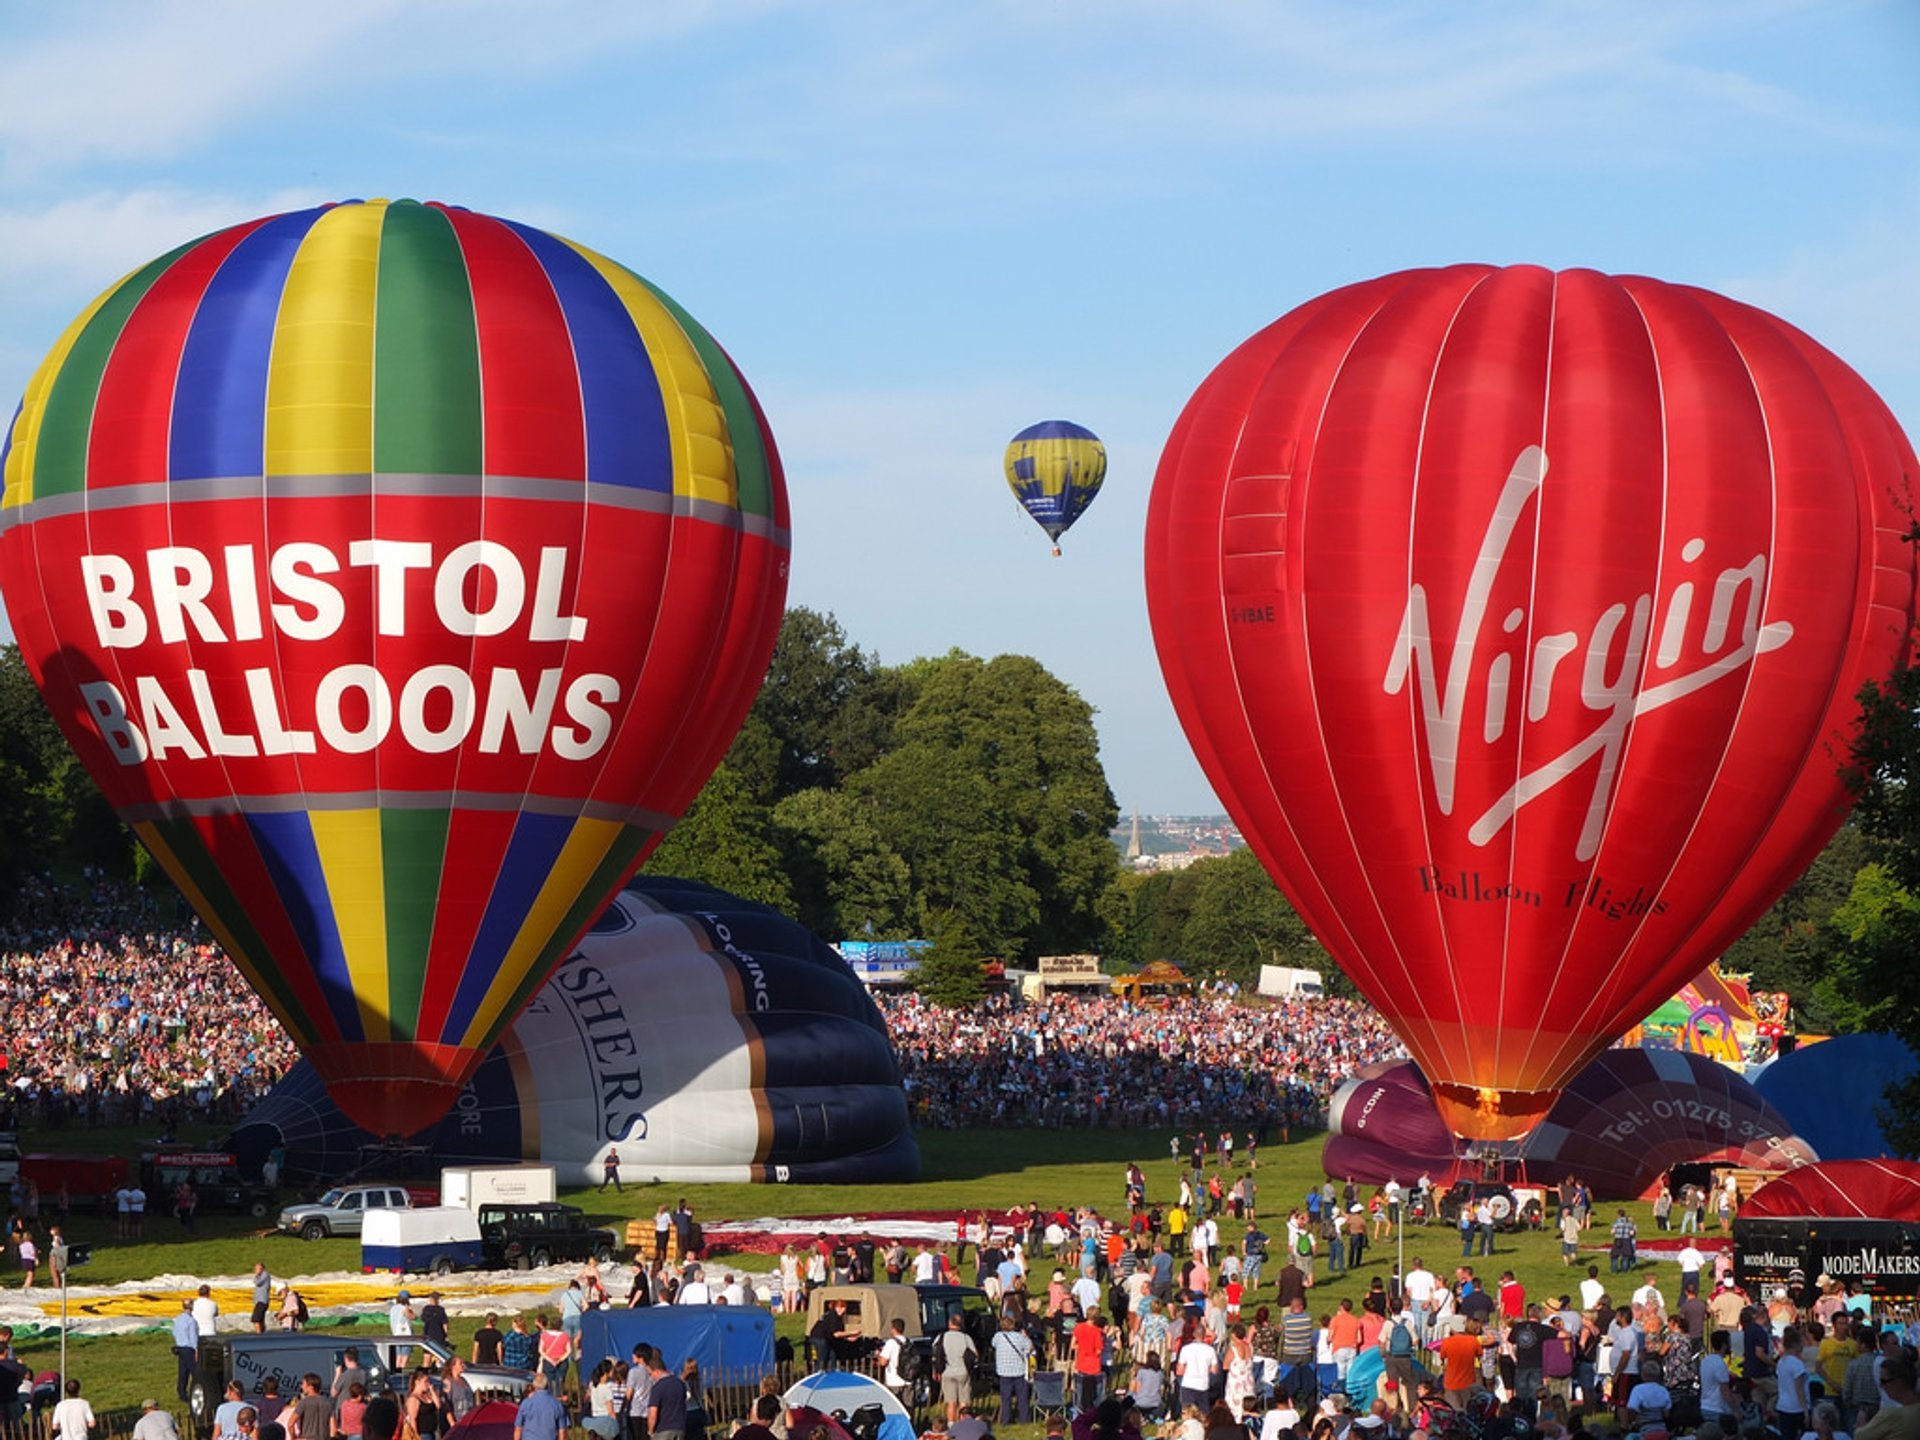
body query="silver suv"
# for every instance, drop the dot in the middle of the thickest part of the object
(341, 1210)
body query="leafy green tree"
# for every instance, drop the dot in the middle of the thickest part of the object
(1875, 980)
(52, 816)
(848, 880)
(723, 839)
(1240, 921)
(1010, 745)
(947, 973)
(1793, 946)
(825, 710)
(963, 853)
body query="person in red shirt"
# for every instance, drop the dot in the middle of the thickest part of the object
(1089, 1359)
(1513, 1297)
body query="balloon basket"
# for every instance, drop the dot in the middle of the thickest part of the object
(1492, 1162)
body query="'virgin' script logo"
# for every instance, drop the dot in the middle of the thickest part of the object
(1616, 688)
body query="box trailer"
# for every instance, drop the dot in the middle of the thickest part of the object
(436, 1238)
(475, 1185)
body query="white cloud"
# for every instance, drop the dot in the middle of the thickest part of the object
(87, 241)
(147, 81)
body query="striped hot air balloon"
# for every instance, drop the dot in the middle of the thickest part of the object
(1055, 469)
(400, 573)
(699, 1036)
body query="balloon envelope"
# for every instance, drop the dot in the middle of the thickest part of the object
(1624, 1121)
(1055, 469)
(1517, 618)
(1831, 1091)
(707, 1037)
(400, 573)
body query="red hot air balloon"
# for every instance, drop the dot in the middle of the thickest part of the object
(1517, 617)
(400, 573)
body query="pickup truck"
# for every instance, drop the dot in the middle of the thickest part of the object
(341, 1210)
(536, 1236)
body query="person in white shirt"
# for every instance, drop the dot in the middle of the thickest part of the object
(735, 1291)
(695, 1291)
(1591, 1288)
(1790, 1374)
(1199, 1362)
(924, 1266)
(1649, 1298)
(206, 1313)
(400, 1314)
(1282, 1416)
(1717, 1400)
(73, 1417)
(890, 1353)
(1418, 1285)
(1086, 1294)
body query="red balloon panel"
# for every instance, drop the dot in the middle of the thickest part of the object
(1517, 617)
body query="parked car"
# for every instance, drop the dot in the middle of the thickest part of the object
(926, 1309)
(285, 1357)
(214, 1175)
(535, 1236)
(341, 1210)
(1511, 1210)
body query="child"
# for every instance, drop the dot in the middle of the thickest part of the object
(1150, 1387)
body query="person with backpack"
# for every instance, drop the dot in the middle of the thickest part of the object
(1397, 1344)
(953, 1355)
(900, 1364)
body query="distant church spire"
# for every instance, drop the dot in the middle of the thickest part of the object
(1133, 845)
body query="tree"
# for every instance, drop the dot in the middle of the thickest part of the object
(848, 881)
(947, 973)
(1011, 754)
(52, 815)
(1793, 946)
(723, 840)
(1880, 921)
(1240, 921)
(825, 711)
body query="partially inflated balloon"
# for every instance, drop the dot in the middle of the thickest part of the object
(1517, 617)
(702, 1036)
(1055, 468)
(1620, 1125)
(400, 573)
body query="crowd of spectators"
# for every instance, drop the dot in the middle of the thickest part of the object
(1208, 1056)
(112, 1012)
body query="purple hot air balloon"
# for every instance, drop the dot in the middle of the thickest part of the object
(1624, 1121)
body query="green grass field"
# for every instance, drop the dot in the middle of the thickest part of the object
(962, 1171)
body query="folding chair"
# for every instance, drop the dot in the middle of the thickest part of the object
(1049, 1394)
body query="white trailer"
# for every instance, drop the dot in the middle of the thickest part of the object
(475, 1185)
(1290, 980)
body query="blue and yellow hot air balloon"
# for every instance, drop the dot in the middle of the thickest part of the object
(1055, 468)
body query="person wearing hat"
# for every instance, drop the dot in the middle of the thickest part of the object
(400, 1314)
(154, 1423)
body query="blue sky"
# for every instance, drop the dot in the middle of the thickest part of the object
(920, 227)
